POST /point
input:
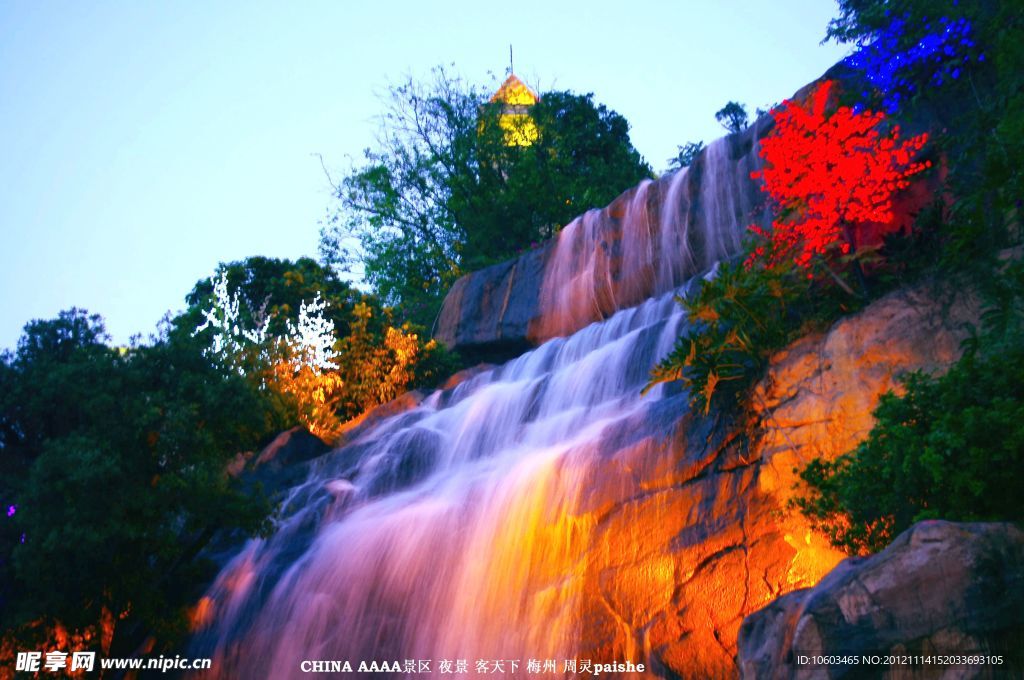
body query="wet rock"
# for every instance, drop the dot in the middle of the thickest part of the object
(282, 463)
(292, 446)
(940, 588)
(486, 315)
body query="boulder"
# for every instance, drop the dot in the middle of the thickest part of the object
(487, 313)
(940, 588)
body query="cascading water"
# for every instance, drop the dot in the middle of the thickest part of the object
(466, 528)
(457, 530)
(651, 239)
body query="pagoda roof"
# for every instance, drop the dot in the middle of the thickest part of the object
(515, 92)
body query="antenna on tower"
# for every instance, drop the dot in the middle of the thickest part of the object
(511, 70)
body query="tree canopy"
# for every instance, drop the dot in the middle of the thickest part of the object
(828, 172)
(274, 289)
(373, 357)
(443, 192)
(113, 472)
(733, 117)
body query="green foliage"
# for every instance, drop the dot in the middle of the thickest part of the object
(949, 447)
(115, 460)
(444, 193)
(687, 154)
(735, 321)
(962, 234)
(378, 358)
(744, 314)
(733, 117)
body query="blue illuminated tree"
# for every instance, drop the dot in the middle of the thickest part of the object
(891, 67)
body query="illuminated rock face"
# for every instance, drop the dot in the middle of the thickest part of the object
(542, 509)
(939, 588)
(821, 391)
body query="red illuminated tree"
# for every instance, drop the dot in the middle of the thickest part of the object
(827, 174)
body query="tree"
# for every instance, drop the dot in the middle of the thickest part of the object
(827, 174)
(444, 193)
(687, 154)
(321, 350)
(272, 290)
(305, 370)
(733, 117)
(121, 456)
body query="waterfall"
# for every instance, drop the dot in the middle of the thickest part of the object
(477, 524)
(461, 529)
(652, 238)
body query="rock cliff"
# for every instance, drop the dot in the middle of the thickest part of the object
(683, 526)
(543, 506)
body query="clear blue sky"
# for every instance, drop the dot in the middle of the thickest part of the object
(141, 143)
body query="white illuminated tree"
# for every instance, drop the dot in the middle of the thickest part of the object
(311, 341)
(230, 340)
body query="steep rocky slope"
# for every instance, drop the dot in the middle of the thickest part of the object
(649, 539)
(543, 507)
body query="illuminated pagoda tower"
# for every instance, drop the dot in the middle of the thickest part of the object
(516, 98)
